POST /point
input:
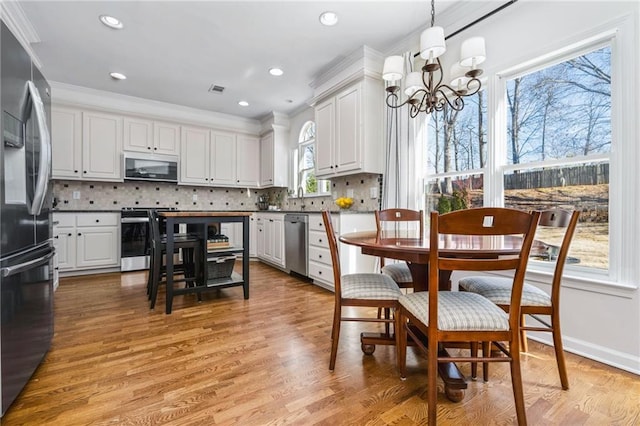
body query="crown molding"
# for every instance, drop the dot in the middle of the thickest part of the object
(17, 22)
(83, 97)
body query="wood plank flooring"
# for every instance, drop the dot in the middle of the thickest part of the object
(264, 361)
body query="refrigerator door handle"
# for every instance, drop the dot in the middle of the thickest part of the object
(11, 270)
(32, 98)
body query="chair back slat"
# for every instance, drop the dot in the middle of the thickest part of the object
(154, 226)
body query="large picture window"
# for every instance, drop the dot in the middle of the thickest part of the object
(550, 148)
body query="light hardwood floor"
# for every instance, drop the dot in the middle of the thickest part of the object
(264, 361)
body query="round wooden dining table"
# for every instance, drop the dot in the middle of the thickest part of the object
(401, 245)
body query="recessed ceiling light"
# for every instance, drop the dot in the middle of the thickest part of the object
(117, 76)
(276, 71)
(329, 18)
(111, 22)
(243, 103)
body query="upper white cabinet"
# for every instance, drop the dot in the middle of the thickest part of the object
(166, 138)
(86, 144)
(247, 161)
(219, 158)
(151, 136)
(101, 146)
(223, 158)
(349, 130)
(274, 157)
(194, 155)
(66, 141)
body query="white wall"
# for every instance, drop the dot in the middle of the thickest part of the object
(600, 317)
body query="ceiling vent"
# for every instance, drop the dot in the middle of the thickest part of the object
(216, 89)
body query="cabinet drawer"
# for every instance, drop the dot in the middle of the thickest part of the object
(318, 238)
(321, 271)
(97, 219)
(317, 224)
(320, 255)
(65, 220)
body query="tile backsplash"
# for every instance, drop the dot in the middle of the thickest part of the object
(82, 195)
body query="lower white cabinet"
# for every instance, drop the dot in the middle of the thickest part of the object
(351, 259)
(270, 238)
(86, 241)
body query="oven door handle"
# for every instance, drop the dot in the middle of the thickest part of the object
(134, 220)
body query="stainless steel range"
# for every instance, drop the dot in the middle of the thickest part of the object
(134, 240)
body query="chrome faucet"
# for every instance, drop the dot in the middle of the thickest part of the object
(301, 196)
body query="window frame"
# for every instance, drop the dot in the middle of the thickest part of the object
(304, 142)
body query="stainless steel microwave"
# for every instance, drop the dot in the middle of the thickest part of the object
(153, 167)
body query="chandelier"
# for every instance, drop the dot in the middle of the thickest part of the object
(425, 90)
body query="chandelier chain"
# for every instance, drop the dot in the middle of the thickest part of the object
(433, 12)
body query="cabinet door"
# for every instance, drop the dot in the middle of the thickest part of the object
(138, 134)
(101, 146)
(260, 238)
(223, 158)
(64, 241)
(266, 160)
(166, 138)
(325, 137)
(253, 236)
(66, 143)
(348, 122)
(97, 246)
(269, 238)
(247, 161)
(277, 235)
(194, 156)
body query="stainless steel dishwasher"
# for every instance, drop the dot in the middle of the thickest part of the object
(296, 236)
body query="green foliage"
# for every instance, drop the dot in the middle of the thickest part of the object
(311, 185)
(444, 204)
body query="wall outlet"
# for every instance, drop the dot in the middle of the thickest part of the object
(373, 192)
(335, 195)
(194, 198)
(76, 195)
(350, 193)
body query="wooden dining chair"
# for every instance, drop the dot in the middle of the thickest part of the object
(410, 221)
(534, 300)
(359, 290)
(192, 253)
(445, 316)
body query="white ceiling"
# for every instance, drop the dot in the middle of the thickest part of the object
(173, 51)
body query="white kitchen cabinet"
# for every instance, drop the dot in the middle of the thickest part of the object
(273, 153)
(166, 138)
(223, 158)
(349, 137)
(271, 238)
(149, 136)
(253, 236)
(86, 241)
(66, 142)
(138, 134)
(247, 161)
(235, 160)
(194, 155)
(351, 259)
(101, 146)
(217, 158)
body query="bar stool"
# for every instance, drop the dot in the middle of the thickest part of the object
(192, 258)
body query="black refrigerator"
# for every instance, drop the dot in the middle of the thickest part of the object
(26, 249)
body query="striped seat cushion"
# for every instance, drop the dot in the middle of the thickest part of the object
(369, 286)
(498, 290)
(457, 311)
(399, 272)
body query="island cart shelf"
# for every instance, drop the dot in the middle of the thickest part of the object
(218, 271)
